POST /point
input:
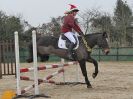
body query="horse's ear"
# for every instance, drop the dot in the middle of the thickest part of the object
(105, 34)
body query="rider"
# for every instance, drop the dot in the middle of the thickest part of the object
(69, 24)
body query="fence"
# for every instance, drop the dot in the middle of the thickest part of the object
(116, 54)
(7, 58)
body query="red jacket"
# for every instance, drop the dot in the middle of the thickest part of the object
(69, 24)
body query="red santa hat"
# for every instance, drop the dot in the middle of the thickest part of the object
(72, 8)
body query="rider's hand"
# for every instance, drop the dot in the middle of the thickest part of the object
(81, 33)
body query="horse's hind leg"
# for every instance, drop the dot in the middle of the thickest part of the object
(84, 72)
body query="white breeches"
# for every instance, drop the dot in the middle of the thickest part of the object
(70, 36)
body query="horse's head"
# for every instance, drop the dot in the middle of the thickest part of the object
(102, 42)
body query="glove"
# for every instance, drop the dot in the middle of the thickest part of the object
(81, 33)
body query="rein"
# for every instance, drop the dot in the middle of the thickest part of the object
(86, 45)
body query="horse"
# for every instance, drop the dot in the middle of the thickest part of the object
(47, 45)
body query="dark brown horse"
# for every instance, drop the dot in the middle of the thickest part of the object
(49, 45)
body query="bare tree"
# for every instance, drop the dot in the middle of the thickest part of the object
(123, 19)
(87, 17)
(52, 27)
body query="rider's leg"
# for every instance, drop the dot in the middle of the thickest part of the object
(70, 48)
(69, 35)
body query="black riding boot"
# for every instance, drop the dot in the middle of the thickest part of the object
(71, 46)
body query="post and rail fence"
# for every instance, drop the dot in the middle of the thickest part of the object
(7, 58)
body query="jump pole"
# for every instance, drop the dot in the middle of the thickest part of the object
(35, 62)
(44, 67)
(36, 83)
(19, 91)
(17, 63)
(41, 81)
(45, 78)
(62, 61)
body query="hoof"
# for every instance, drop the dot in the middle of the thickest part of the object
(94, 75)
(89, 86)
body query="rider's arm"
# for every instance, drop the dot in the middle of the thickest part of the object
(74, 25)
(78, 29)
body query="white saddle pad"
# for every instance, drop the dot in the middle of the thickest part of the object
(62, 43)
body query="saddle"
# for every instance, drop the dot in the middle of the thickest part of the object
(64, 42)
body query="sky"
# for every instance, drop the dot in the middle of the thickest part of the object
(41, 11)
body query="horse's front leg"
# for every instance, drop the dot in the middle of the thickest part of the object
(91, 60)
(84, 72)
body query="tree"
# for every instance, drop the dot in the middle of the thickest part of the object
(2, 24)
(53, 27)
(8, 25)
(13, 24)
(104, 24)
(56, 26)
(87, 17)
(122, 18)
(27, 35)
